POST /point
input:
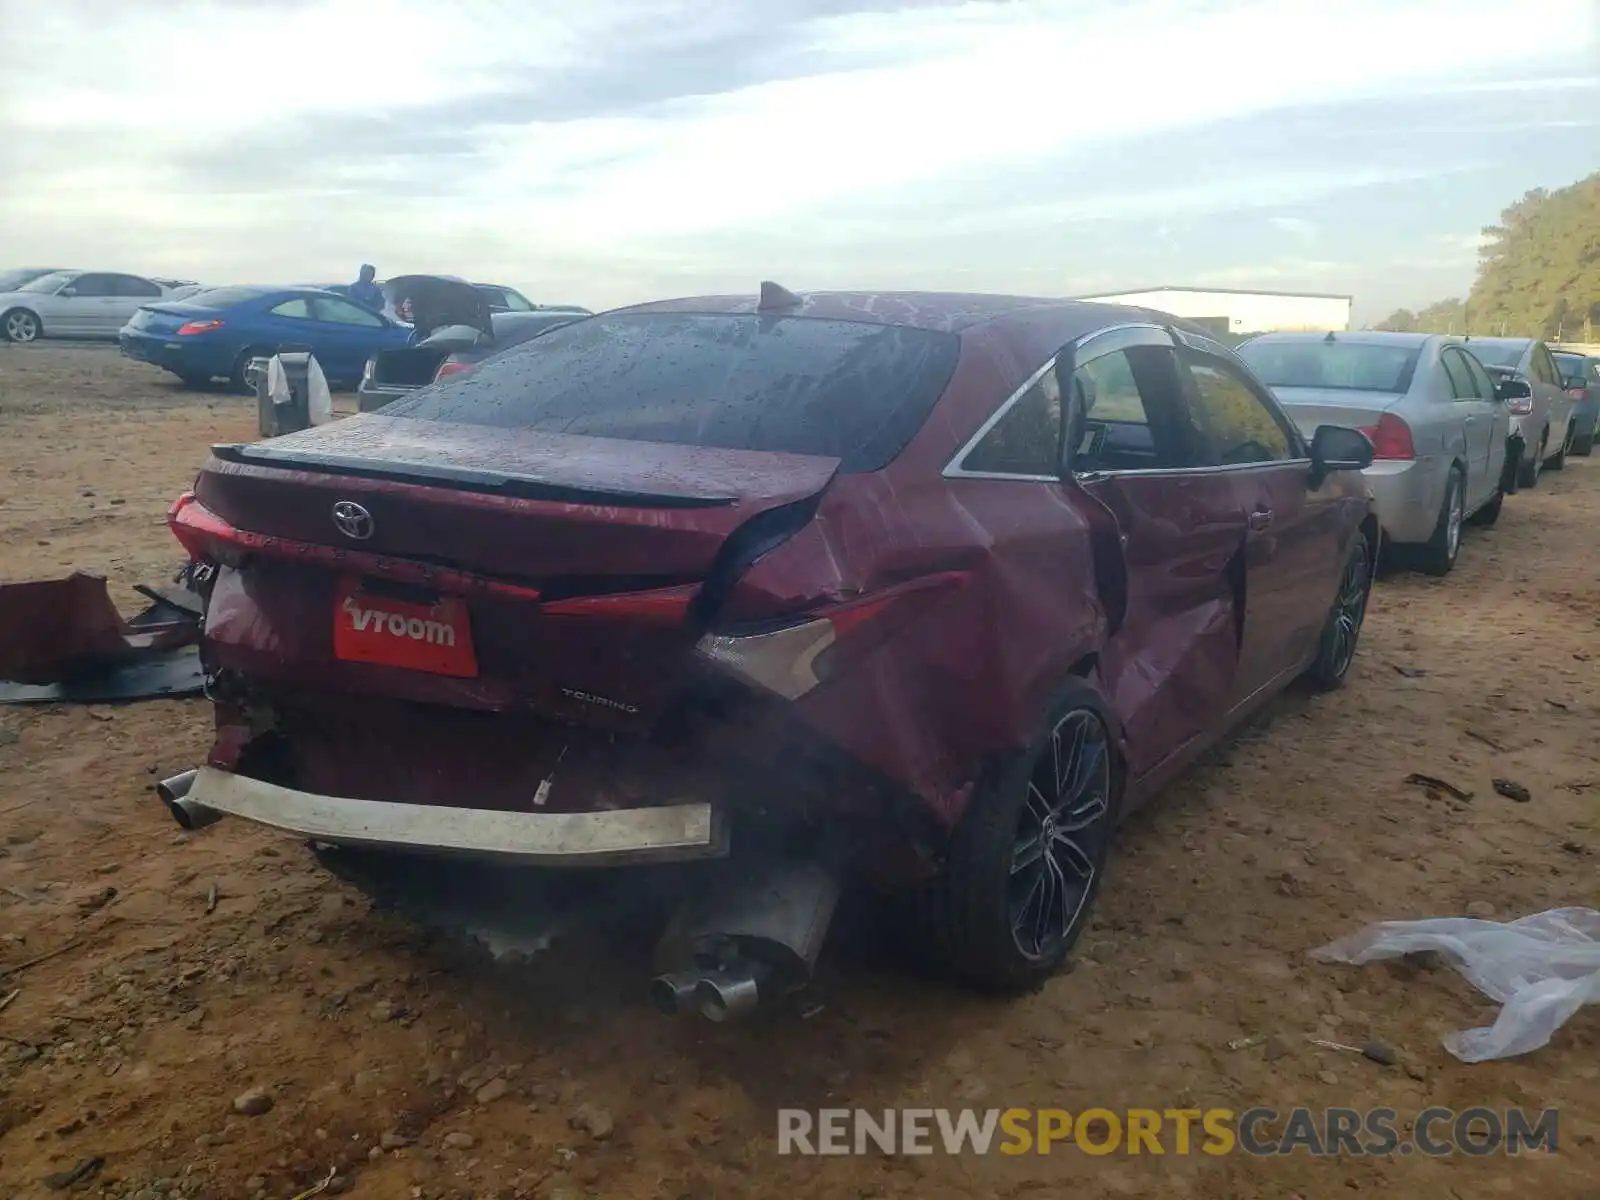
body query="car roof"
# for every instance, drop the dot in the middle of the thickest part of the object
(1473, 339)
(1359, 337)
(948, 312)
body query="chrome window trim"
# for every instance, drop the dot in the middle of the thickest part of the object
(953, 468)
(1226, 468)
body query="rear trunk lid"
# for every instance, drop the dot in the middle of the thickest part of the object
(510, 503)
(169, 316)
(1310, 407)
(513, 568)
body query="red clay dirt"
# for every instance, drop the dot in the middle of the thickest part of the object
(186, 970)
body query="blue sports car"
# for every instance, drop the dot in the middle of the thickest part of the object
(216, 333)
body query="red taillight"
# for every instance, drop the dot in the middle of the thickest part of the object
(1576, 393)
(450, 367)
(188, 328)
(1390, 438)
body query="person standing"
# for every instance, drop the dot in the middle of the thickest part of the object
(365, 289)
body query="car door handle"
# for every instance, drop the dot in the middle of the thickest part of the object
(1261, 518)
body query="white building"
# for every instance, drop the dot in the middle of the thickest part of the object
(1238, 311)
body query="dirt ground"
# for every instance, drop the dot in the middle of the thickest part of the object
(412, 1068)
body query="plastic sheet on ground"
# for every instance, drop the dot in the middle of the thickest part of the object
(1542, 968)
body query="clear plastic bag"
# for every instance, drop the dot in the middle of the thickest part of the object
(1542, 968)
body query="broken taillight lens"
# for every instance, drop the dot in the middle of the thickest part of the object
(792, 659)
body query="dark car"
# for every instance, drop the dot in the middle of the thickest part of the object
(1580, 375)
(392, 374)
(929, 588)
(217, 333)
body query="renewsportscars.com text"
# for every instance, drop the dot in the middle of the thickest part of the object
(1262, 1132)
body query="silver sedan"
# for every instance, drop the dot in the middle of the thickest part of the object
(80, 304)
(1439, 431)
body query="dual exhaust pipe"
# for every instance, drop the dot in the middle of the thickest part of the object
(756, 935)
(718, 995)
(189, 813)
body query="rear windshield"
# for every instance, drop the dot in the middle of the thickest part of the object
(1497, 354)
(224, 297)
(1576, 366)
(522, 326)
(795, 385)
(1346, 366)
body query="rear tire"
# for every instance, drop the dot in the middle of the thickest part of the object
(236, 378)
(1528, 473)
(1027, 858)
(1582, 445)
(21, 326)
(1342, 631)
(1444, 547)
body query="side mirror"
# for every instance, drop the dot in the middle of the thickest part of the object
(69, 291)
(1338, 448)
(1510, 389)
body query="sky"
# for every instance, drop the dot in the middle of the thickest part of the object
(620, 150)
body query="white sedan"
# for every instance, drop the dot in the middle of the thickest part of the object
(79, 304)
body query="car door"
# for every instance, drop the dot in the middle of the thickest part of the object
(1292, 540)
(132, 292)
(1471, 413)
(1547, 382)
(1170, 668)
(346, 335)
(1488, 427)
(83, 307)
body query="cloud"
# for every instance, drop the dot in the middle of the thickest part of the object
(614, 148)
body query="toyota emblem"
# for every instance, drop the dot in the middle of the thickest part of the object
(354, 521)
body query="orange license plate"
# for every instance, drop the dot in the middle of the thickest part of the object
(435, 638)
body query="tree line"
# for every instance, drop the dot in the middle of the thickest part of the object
(1538, 273)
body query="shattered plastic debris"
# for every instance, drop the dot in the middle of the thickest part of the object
(1542, 968)
(63, 639)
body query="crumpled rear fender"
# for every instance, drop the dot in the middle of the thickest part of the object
(970, 676)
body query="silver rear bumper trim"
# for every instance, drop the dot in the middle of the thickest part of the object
(672, 833)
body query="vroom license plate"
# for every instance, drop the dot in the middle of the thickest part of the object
(436, 638)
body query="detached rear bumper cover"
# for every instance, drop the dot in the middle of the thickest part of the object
(662, 834)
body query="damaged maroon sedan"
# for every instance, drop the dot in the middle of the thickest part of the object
(929, 589)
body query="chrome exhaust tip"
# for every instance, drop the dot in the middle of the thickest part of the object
(727, 995)
(671, 994)
(190, 814)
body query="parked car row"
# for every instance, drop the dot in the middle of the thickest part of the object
(37, 302)
(217, 333)
(1456, 423)
(934, 589)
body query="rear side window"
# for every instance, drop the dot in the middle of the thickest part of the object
(1027, 439)
(1462, 384)
(796, 385)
